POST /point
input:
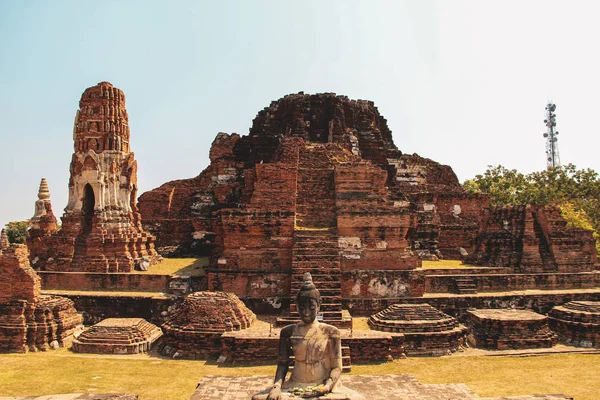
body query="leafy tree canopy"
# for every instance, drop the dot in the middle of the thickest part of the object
(16, 231)
(576, 191)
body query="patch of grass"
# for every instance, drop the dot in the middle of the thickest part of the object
(445, 264)
(178, 267)
(360, 324)
(150, 377)
(571, 374)
(156, 378)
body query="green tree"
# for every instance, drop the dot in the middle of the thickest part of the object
(573, 190)
(16, 231)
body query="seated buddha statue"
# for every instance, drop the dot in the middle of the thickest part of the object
(317, 350)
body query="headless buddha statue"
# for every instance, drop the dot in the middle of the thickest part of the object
(317, 349)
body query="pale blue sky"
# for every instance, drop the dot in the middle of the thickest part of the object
(462, 82)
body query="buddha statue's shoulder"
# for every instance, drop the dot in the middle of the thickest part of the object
(330, 330)
(287, 331)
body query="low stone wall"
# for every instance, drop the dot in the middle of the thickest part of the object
(365, 347)
(434, 344)
(577, 323)
(506, 282)
(102, 281)
(457, 306)
(96, 307)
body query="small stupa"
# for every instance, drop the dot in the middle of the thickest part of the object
(194, 329)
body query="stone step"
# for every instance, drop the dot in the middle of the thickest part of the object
(325, 307)
(310, 250)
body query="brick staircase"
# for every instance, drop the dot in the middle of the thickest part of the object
(315, 247)
(465, 285)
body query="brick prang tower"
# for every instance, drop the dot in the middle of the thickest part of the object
(101, 228)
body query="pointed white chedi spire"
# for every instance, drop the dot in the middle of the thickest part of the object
(44, 192)
(40, 205)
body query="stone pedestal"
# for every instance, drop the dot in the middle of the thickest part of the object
(509, 329)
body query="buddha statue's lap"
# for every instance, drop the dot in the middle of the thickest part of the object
(317, 352)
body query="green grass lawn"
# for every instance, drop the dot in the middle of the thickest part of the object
(156, 378)
(445, 264)
(178, 267)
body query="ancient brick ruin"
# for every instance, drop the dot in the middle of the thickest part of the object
(101, 228)
(118, 336)
(509, 329)
(533, 239)
(194, 329)
(29, 320)
(427, 331)
(577, 323)
(317, 186)
(4, 244)
(42, 225)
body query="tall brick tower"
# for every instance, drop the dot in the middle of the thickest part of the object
(101, 228)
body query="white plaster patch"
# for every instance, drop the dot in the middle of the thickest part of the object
(382, 245)
(349, 242)
(456, 210)
(401, 204)
(351, 256)
(356, 288)
(222, 261)
(428, 207)
(274, 301)
(380, 287)
(223, 179)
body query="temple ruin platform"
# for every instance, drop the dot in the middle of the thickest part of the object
(373, 387)
(254, 345)
(427, 331)
(577, 323)
(118, 336)
(509, 329)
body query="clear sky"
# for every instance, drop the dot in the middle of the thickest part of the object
(462, 82)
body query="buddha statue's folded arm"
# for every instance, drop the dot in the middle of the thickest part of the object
(335, 356)
(283, 362)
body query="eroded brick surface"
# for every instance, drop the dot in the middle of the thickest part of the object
(533, 239)
(30, 321)
(577, 323)
(101, 227)
(509, 329)
(194, 329)
(427, 331)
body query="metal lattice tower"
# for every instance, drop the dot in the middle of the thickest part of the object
(552, 157)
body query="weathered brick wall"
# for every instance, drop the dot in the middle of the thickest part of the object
(101, 229)
(577, 323)
(502, 282)
(19, 281)
(385, 283)
(533, 239)
(28, 319)
(457, 306)
(509, 329)
(101, 281)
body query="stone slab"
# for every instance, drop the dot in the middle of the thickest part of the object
(77, 396)
(373, 387)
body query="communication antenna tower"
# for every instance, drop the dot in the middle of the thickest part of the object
(552, 157)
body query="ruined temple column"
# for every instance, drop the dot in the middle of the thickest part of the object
(101, 228)
(43, 217)
(3, 241)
